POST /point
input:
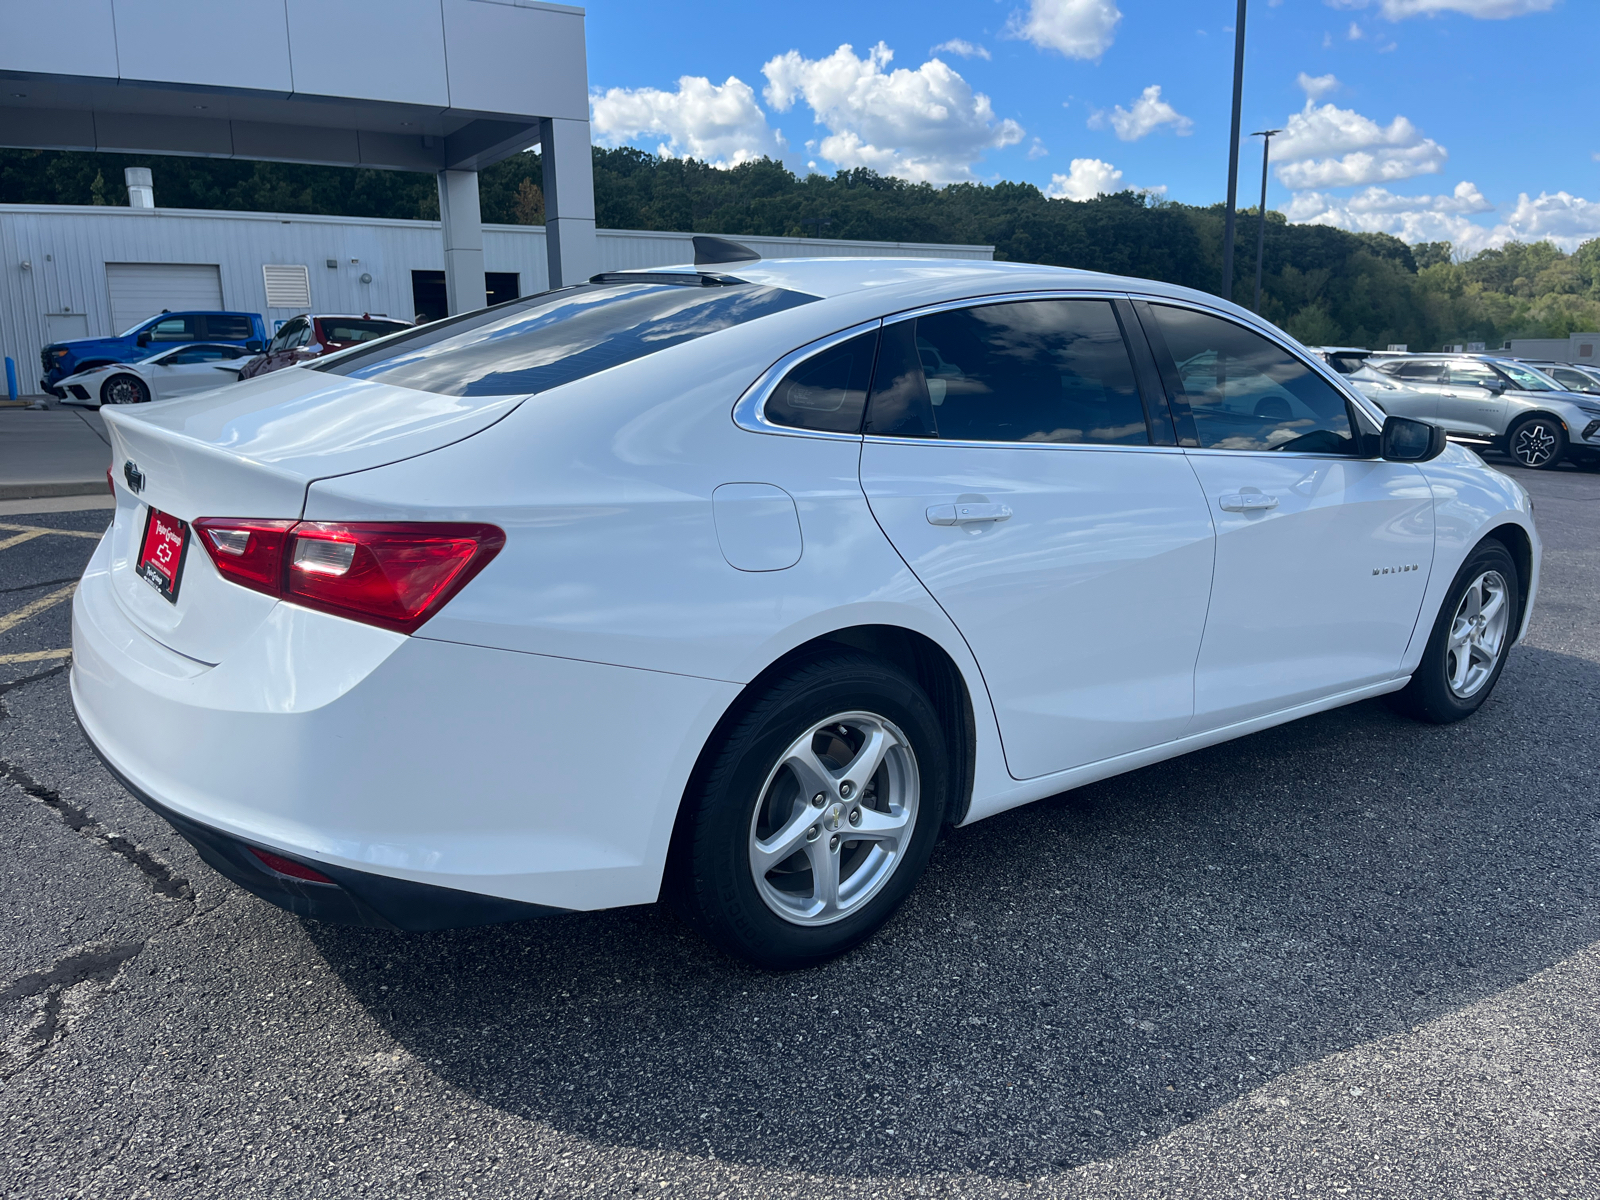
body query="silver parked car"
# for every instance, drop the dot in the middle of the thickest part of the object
(1570, 376)
(1485, 399)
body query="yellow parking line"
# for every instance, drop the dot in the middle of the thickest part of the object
(35, 656)
(17, 539)
(35, 606)
(37, 530)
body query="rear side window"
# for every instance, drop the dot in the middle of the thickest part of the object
(828, 391)
(229, 327)
(1029, 371)
(1248, 393)
(1417, 372)
(541, 342)
(339, 329)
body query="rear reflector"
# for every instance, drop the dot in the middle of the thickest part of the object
(287, 866)
(394, 575)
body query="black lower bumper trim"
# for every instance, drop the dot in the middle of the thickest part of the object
(354, 897)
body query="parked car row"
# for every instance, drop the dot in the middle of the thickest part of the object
(1538, 419)
(172, 354)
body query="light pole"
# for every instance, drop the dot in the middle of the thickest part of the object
(1233, 154)
(1266, 136)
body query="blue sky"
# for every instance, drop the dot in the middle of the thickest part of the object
(1467, 120)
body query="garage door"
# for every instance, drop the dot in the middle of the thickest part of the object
(140, 290)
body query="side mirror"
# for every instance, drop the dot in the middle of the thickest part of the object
(1498, 387)
(253, 345)
(1405, 440)
(143, 339)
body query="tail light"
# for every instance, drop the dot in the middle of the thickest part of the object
(393, 575)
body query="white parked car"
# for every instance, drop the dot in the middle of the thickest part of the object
(175, 371)
(738, 582)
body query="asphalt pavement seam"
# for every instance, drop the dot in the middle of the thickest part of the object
(163, 881)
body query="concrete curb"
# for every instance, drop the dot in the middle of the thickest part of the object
(41, 491)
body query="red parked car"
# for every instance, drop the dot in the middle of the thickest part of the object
(304, 337)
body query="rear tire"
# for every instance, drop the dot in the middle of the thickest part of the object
(123, 388)
(1471, 638)
(782, 856)
(1538, 443)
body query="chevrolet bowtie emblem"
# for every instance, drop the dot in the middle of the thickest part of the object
(134, 476)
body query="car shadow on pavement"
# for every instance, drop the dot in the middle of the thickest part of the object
(1070, 979)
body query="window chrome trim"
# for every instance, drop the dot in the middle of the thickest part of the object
(883, 439)
(749, 412)
(1107, 294)
(1276, 336)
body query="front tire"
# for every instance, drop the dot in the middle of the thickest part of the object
(814, 814)
(1470, 641)
(1538, 443)
(123, 388)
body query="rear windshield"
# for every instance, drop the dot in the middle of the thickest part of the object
(355, 329)
(540, 342)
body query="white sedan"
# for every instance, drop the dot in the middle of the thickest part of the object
(176, 371)
(733, 584)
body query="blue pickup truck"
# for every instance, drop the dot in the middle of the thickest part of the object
(150, 336)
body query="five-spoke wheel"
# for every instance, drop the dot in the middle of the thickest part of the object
(1538, 443)
(833, 819)
(1466, 650)
(813, 812)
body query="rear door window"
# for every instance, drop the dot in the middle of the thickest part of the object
(828, 391)
(346, 329)
(1028, 371)
(544, 341)
(229, 327)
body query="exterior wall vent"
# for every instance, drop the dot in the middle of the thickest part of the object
(287, 286)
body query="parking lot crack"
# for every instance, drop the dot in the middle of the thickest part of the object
(160, 876)
(26, 679)
(60, 993)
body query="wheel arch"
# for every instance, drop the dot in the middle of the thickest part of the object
(109, 379)
(1544, 413)
(915, 653)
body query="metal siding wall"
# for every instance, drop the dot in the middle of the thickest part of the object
(81, 240)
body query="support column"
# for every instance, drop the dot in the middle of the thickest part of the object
(462, 227)
(568, 201)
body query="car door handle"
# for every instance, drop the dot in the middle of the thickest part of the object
(967, 514)
(1247, 502)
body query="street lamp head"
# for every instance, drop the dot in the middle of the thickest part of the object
(1266, 133)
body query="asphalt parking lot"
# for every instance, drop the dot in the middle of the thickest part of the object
(1352, 956)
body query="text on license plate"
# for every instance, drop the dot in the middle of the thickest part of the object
(166, 541)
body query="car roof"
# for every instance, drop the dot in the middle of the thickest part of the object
(922, 280)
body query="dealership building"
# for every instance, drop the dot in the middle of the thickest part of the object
(443, 86)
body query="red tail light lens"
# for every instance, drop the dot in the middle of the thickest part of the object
(248, 552)
(388, 574)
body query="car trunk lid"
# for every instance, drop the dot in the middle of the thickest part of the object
(251, 450)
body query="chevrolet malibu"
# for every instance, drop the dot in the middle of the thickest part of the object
(735, 584)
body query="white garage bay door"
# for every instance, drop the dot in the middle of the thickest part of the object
(140, 290)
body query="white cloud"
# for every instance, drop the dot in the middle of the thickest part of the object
(1317, 86)
(1149, 113)
(926, 125)
(962, 47)
(722, 125)
(1354, 33)
(1037, 150)
(1562, 218)
(1338, 147)
(1075, 28)
(1087, 178)
(1490, 10)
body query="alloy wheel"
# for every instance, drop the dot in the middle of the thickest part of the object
(122, 389)
(1477, 634)
(835, 818)
(1534, 444)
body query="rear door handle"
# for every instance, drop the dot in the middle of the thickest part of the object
(1247, 502)
(967, 514)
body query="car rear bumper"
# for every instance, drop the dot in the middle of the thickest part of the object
(418, 774)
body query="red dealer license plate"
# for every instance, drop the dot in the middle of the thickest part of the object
(166, 541)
